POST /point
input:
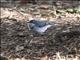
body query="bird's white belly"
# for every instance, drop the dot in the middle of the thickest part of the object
(42, 29)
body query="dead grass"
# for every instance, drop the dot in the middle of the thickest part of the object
(17, 42)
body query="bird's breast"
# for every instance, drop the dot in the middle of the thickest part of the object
(42, 29)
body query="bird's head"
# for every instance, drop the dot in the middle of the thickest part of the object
(32, 21)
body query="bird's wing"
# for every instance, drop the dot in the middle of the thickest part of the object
(42, 29)
(40, 23)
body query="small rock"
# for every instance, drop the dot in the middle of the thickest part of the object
(18, 48)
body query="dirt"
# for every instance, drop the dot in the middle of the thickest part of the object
(18, 42)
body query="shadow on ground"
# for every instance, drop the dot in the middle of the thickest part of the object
(18, 41)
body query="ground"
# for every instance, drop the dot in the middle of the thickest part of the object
(60, 42)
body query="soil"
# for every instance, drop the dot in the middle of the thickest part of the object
(17, 41)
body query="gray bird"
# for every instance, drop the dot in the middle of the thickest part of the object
(38, 26)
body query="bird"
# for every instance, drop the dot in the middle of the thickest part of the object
(38, 26)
